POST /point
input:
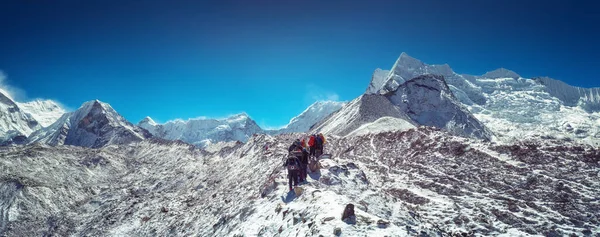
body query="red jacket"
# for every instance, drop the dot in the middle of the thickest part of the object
(311, 141)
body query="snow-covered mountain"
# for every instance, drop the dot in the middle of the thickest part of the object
(511, 106)
(46, 112)
(95, 124)
(204, 131)
(427, 100)
(309, 117)
(419, 182)
(15, 124)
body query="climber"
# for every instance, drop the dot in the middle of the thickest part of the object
(293, 164)
(296, 146)
(311, 145)
(304, 165)
(298, 149)
(319, 143)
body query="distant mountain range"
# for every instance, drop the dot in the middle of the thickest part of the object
(499, 105)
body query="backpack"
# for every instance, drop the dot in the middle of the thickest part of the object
(292, 164)
(318, 142)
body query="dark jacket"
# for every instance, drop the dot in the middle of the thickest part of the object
(294, 161)
(304, 158)
(292, 148)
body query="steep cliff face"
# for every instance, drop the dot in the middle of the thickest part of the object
(427, 100)
(365, 109)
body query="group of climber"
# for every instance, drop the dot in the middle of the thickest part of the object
(301, 153)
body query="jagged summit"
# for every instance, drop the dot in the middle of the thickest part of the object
(148, 120)
(238, 117)
(406, 60)
(501, 73)
(378, 78)
(404, 68)
(94, 124)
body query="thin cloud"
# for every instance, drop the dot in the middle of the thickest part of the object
(14, 93)
(19, 95)
(317, 93)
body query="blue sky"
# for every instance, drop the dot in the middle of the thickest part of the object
(271, 59)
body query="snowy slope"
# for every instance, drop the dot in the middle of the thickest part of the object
(312, 115)
(383, 124)
(204, 131)
(94, 124)
(420, 182)
(365, 109)
(46, 112)
(511, 106)
(14, 122)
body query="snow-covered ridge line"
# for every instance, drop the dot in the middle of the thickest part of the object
(204, 131)
(571, 95)
(310, 116)
(242, 115)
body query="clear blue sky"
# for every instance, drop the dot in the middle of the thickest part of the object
(271, 59)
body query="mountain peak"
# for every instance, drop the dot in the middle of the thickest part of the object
(95, 124)
(94, 105)
(378, 79)
(241, 115)
(148, 120)
(501, 73)
(405, 61)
